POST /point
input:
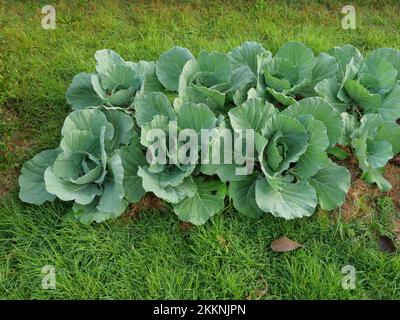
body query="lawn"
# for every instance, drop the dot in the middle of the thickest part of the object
(150, 256)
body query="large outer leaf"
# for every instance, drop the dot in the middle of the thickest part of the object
(365, 153)
(31, 181)
(321, 110)
(80, 141)
(196, 117)
(132, 157)
(199, 94)
(122, 97)
(91, 120)
(217, 64)
(376, 176)
(188, 72)
(152, 104)
(377, 75)
(150, 80)
(284, 199)
(370, 102)
(169, 66)
(281, 97)
(390, 109)
(315, 157)
(242, 77)
(67, 191)
(390, 132)
(328, 89)
(325, 67)
(349, 60)
(113, 189)
(121, 75)
(123, 126)
(331, 184)
(155, 183)
(86, 214)
(243, 195)
(253, 114)
(207, 200)
(80, 93)
(295, 62)
(246, 54)
(106, 61)
(390, 55)
(379, 153)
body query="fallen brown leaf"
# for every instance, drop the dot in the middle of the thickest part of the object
(284, 244)
(386, 244)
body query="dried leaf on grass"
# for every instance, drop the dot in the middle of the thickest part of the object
(284, 244)
(386, 244)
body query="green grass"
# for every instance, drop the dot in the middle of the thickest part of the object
(150, 257)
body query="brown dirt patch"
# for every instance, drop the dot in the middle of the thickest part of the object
(149, 201)
(392, 173)
(185, 226)
(395, 161)
(8, 180)
(396, 231)
(360, 200)
(14, 135)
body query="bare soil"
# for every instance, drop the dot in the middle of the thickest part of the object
(361, 198)
(8, 180)
(149, 201)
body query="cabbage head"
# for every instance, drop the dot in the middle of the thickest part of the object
(91, 167)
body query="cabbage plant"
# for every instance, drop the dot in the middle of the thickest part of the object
(173, 178)
(254, 56)
(114, 83)
(332, 89)
(213, 80)
(294, 71)
(376, 88)
(88, 167)
(374, 141)
(275, 121)
(368, 92)
(293, 172)
(364, 86)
